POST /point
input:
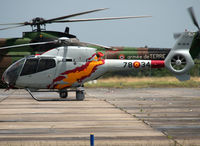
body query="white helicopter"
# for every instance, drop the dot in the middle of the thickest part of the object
(71, 66)
(67, 68)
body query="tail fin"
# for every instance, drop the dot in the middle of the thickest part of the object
(179, 61)
(195, 49)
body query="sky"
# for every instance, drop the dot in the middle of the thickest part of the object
(168, 17)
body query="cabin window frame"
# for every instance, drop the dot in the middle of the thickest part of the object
(48, 63)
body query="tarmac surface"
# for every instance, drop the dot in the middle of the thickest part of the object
(151, 116)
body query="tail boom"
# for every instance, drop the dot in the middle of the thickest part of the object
(118, 65)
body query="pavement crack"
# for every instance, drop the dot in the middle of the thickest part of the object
(145, 122)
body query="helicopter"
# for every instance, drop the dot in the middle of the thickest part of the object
(70, 66)
(40, 34)
(13, 49)
(66, 68)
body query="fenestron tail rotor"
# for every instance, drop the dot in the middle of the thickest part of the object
(38, 21)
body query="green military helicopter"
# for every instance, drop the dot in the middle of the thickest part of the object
(12, 49)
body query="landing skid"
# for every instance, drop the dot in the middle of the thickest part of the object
(80, 95)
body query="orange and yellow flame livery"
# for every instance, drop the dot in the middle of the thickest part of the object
(76, 75)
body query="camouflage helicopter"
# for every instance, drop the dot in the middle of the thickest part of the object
(9, 54)
(12, 49)
(66, 68)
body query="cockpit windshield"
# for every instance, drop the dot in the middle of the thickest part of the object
(11, 74)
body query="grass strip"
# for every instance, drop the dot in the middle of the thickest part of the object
(144, 82)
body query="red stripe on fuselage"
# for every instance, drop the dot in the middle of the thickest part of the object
(157, 63)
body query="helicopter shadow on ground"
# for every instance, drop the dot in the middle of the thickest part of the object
(52, 96)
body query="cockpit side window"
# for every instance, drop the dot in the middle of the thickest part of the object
(30, 67)
(45, 64)
(35, 65)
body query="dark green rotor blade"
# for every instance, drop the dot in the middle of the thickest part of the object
(30, 44)
(73, 15)
(99, 19)
(192, 15)
(11, 23)
(12, 27)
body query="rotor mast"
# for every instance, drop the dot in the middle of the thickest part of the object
(38, 22)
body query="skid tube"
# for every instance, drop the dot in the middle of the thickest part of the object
(55, 99)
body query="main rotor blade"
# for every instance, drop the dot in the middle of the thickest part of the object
(30, 44)
(73, 15)
(12, 27)
(97, 45)
(12, 23)
(192, 15)
(99, 19)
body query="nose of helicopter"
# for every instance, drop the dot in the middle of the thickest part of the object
(7, 77)
(11, 74)
(10, 77)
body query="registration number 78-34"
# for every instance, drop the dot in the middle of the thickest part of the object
(136, 64)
